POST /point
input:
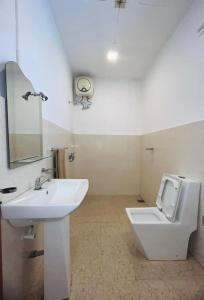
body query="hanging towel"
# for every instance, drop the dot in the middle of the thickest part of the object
(59, 163)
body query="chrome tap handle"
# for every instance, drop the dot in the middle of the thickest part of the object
(38, 183)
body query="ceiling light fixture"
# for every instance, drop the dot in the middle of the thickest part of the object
(112, 55)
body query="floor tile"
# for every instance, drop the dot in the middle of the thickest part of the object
(106, 265)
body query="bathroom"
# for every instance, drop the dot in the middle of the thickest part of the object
(144, 119)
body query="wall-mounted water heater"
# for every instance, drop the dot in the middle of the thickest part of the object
(84, 86)
(84, 90)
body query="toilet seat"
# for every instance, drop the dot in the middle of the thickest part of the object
(146, 215)
(167, 204)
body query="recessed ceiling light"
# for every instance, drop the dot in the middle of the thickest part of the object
(112, 55)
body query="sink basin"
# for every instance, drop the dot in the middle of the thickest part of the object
(55, 200)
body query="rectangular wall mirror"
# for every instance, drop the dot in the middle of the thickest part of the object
(24, 118)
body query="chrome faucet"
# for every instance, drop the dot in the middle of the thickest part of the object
(39, 183)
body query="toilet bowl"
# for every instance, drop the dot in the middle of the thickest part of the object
(163, 232)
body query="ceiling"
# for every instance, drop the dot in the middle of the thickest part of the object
(88, 28)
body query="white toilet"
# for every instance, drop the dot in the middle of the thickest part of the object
(163, 232)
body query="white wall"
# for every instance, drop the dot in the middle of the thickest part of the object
(7, 31)
(173, 90)
(41, 55)
(43, 59)
(116, 109)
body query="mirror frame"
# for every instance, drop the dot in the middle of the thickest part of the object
(16, 164)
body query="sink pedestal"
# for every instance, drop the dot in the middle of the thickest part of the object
(57, 259)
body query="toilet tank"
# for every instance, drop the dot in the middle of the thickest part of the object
(178, 199)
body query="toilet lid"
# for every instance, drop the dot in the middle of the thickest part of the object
(168, 196)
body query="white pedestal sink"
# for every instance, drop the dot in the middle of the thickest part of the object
(51, 205)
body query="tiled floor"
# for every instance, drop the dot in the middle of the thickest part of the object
(107, 266)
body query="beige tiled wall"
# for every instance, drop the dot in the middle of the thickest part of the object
(110, 162)
(55, 137)
(118, 165)
(178, 150)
